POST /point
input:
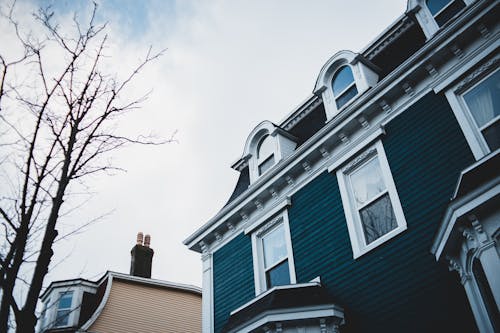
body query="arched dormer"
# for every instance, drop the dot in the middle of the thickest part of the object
(345, 76)
(266, 145)
(433, 14)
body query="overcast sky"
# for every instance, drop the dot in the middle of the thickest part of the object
(230, 64)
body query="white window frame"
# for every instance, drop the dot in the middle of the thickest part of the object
(354, 225)
(363, 73)
(263, 159)
(472, 132)
(353, 83)
(258, 254)
(425, 18)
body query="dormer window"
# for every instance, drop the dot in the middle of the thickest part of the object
(434, 14)
(444, 10)
(266, 146)
(265, 154)
(64, 309)
(344, 86)
(344, 78)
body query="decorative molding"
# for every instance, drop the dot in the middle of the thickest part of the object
(359, 159)
(476, 74)
(364, 123)
(478, 227)
(306, 166)
(385, 106)
(258, 204)
(408, 89)
(483, 31)
(265, 228)
(303, 113)
(289, 180)
(431, 70)
(203, 246)
(391, 36)
(218, 236)
(205, 255)
(453, 265)
(244, 216)
(324, 152)
(343, 137)
(468, 234)
(322, 325)
(230, 227)
(457, 51)
(273, 192)
(279, 328)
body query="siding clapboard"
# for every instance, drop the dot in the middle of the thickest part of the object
(397, 287)
(233, 278)
(137, 308)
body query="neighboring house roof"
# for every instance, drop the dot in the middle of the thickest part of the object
(112, 317)
(126, 302)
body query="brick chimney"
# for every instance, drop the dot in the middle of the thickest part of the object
(142, 257)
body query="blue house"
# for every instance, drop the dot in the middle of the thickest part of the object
(375, 205)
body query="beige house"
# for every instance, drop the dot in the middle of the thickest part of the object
(120, 302)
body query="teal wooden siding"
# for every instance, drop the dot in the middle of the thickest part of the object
(233, 278)
(398, 287)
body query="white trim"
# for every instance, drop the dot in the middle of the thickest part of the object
(267, 214)
(472, 133)
(468, 62)
(208, 294)
(350, 151)
(258, 255)
(356, 234)
(460, 208)
(360, 105)
(363, 78)
(281, 315)
(340, 156)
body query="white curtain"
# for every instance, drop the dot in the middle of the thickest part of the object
(481, 105)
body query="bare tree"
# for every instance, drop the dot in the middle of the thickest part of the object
(56, 128)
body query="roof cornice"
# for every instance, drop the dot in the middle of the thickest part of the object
(397, 76)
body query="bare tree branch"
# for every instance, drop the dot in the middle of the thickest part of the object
(71, 114)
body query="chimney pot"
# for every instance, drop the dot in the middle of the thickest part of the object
(140, 237)
(141, 257)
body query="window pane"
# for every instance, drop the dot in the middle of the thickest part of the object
(278, 276)
(367, 182)
(274, 246)
(484, 100)
(436, 5)
(342, 80)
(266, 147)
(266, 165)
(65, 300)
(492, 135)
(346, 97)
(378, 219)
(62, 317)
(449, 12)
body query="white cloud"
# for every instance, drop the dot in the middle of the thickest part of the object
(229, 65)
